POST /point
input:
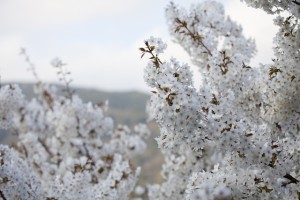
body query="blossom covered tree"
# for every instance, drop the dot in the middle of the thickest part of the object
(66, 149)
(238, 136)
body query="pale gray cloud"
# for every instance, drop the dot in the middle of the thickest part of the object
(99, 39)
(36, 14)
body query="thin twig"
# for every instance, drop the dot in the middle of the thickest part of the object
(45, 147)
(31, 65)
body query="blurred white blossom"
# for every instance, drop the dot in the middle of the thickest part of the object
(67, 149)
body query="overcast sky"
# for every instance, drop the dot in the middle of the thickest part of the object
(99, 39)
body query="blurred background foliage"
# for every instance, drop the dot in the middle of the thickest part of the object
(126, 108)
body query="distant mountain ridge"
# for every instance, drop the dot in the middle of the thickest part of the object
(124, 107)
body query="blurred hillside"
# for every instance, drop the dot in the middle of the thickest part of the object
(126, 108)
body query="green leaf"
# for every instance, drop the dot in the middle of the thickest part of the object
(152, 48)
(293, 77)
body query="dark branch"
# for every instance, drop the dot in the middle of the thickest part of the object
(296, 2)
(2, 195)
(291, 179)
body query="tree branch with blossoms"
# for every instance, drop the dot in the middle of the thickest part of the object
(154, 57)
(64, 75)
(183, 28)
(236, 137)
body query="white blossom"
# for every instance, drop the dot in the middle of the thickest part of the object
(67, 149)
(237, 137)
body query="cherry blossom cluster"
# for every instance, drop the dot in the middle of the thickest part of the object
(238, 135)
(276, 7)
(67, 149)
